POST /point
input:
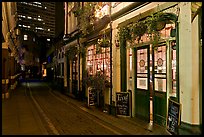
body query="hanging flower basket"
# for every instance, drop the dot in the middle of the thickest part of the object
(104, 42)
(139, 29)
(160, 25)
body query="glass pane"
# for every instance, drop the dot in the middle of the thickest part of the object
(142, 61)
(160, 84)
(130, 69)
(160, 68)
(173, 69)
(160, 60)
(142, 83)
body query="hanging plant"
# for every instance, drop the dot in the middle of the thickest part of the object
(125, 33)
(98, 49)
(77, 12)
(85, 17)
(139, 29)
(103, 42)
(155, 24)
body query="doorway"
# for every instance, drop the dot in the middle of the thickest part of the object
(150, 94)
(159, 84)
(75, 77)
(142, 93)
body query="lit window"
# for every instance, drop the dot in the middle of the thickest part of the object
(34, 18)
(39, 19)
(29, 17)
(43, 22)
(48, 39)
(45, 7)
(48, 29)
(28, 26)
(33, 39)
(25, 37)
(98, 62)
(38, 16)
(19, 25)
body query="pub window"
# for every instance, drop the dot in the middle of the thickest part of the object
(98, 62)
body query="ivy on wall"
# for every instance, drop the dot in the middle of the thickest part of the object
(85, 16)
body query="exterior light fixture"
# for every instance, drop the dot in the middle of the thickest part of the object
(117, 43)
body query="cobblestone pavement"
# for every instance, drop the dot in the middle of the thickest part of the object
(60, 114)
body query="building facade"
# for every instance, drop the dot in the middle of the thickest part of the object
(38, 17)
(39, 23)
(10, 48)
(153, 64)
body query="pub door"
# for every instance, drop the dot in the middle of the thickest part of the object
(159, 85)
(142, 94)
(75, 77)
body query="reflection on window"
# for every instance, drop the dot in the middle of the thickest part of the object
(142, 61)
(98, 62)
(160, 84)
(160, 60)
(160, 68)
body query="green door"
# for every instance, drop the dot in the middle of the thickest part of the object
(142, 94)
(159, 85)
(75, 77)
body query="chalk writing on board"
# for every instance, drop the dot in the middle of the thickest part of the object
(122, 103)
(173, 118)
(92, 97)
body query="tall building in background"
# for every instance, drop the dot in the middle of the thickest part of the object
(38, 17)
(40, 23)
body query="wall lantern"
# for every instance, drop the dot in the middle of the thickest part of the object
(117, 44)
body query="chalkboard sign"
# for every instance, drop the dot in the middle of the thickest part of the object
(123, 103)
(92, 97)
(173, 117)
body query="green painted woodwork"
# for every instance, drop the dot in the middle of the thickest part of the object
(159, 101)
(142, 96)
(83, 69)
(142, 105)
(123, 64)
(159, 108)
